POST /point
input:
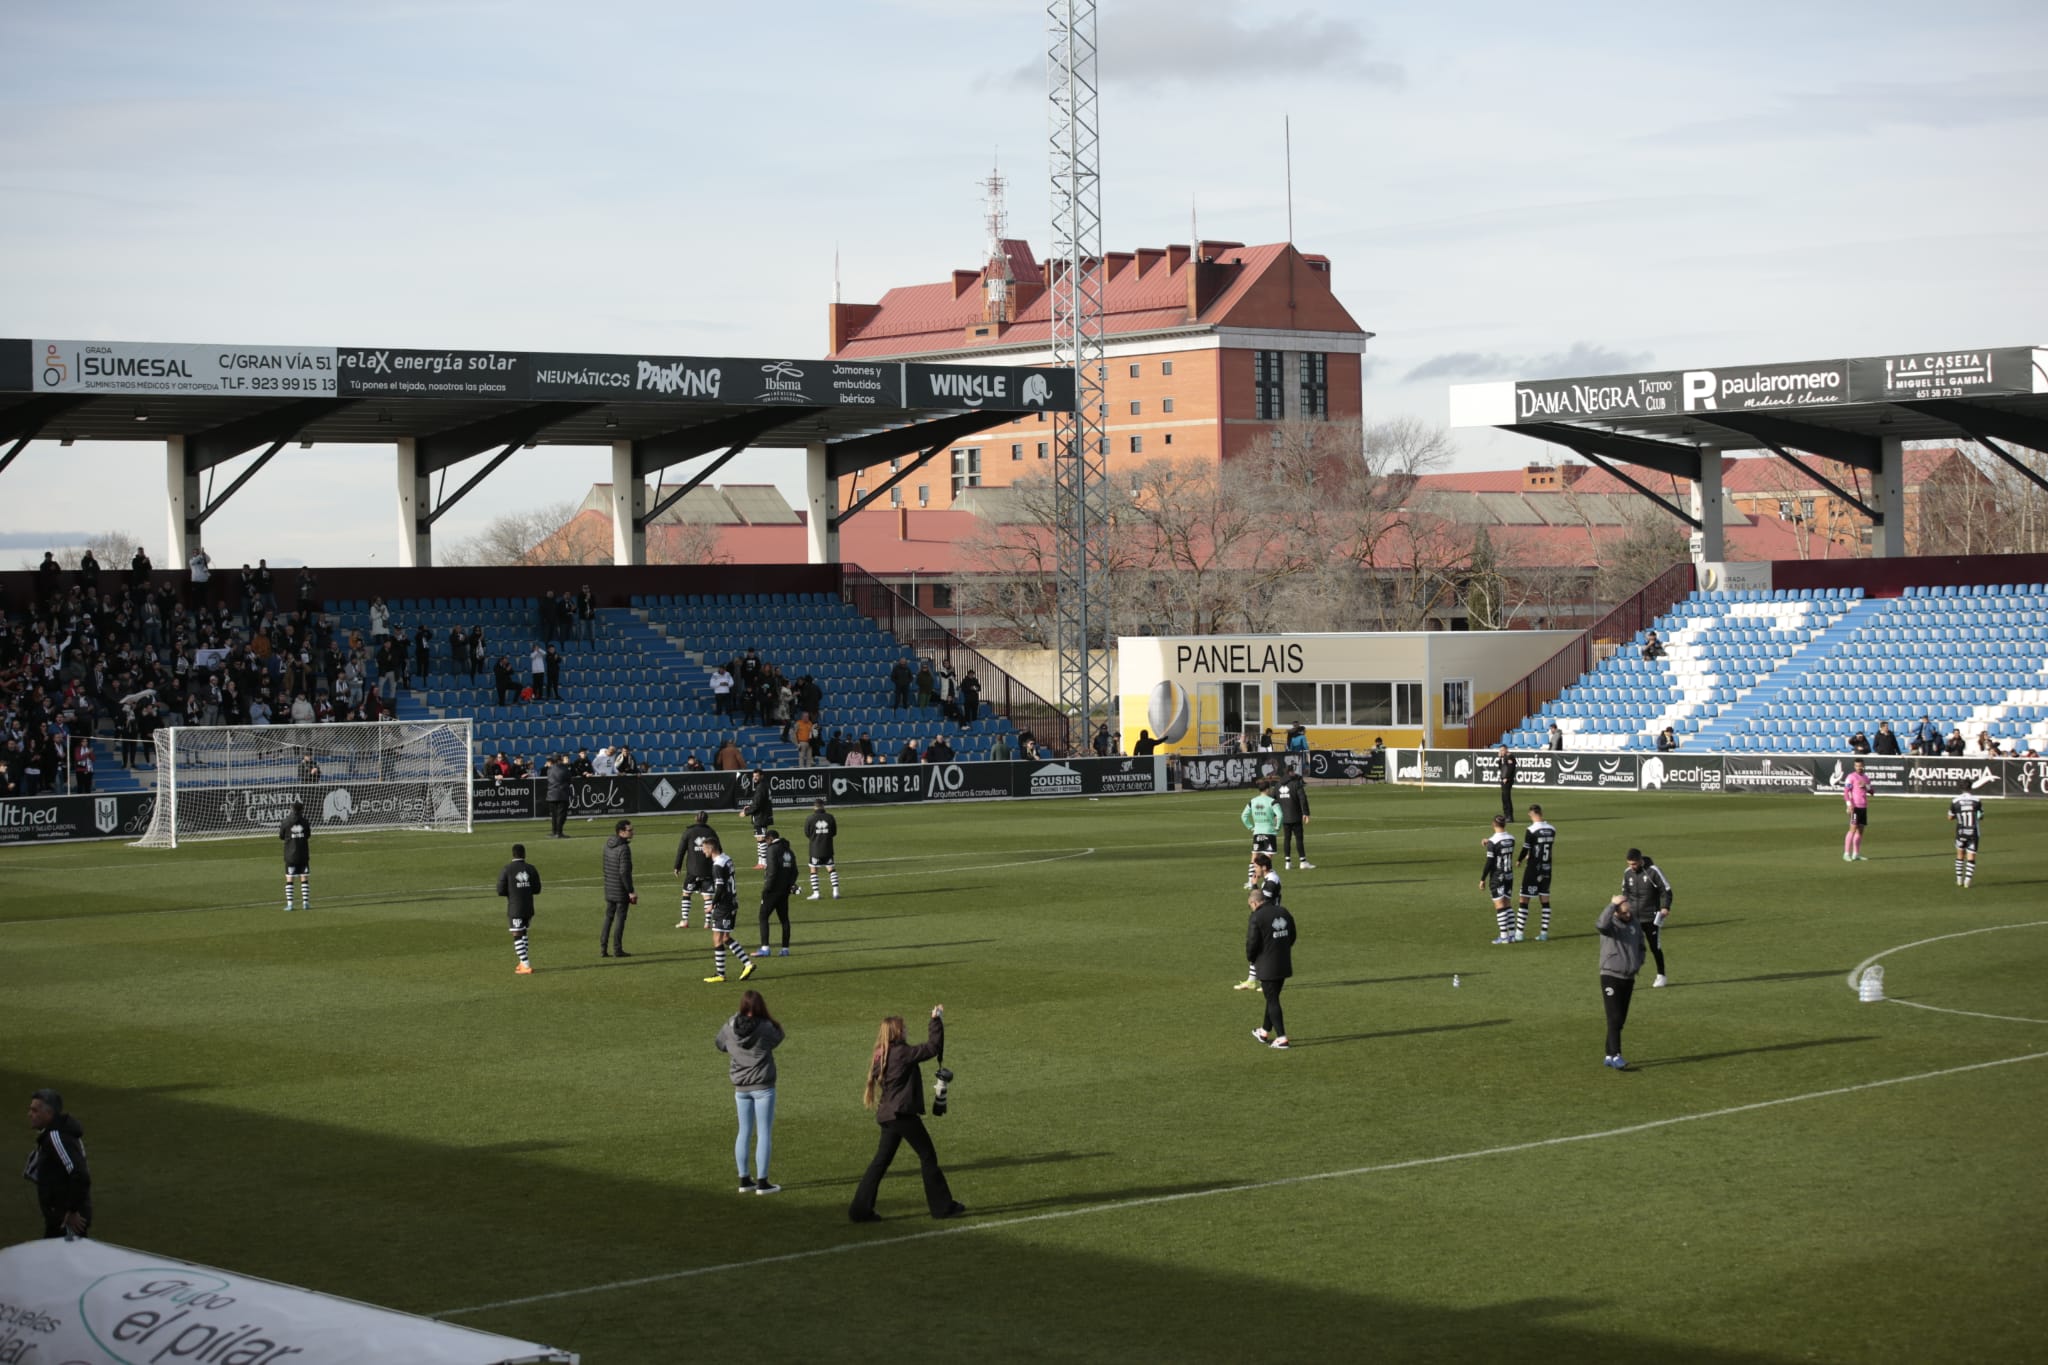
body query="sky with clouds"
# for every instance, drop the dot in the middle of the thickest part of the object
(1504, 189)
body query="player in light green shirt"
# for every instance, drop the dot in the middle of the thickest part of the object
(1262, 817)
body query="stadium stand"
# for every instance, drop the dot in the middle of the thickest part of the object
(1793, 672)
(645, 680)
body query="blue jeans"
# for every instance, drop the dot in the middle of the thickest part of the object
(757, 1125)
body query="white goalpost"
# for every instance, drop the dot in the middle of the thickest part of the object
(240, 781)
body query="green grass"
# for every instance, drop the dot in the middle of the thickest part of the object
(364, 1099)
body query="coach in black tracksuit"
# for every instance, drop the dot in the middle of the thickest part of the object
(57, 1166)
(558, 795)
(619, 895)
(1648, 893)
(1507, 783)
(775, 888)
(1290, 792)
(1269, 946)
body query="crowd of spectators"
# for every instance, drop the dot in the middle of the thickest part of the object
(101, 655)
(1927, 740)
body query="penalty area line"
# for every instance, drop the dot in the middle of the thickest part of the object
(1250, 1187)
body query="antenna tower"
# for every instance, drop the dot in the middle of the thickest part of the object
(1080, 481)
(997, 277)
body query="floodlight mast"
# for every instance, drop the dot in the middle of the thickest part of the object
(1076, 283)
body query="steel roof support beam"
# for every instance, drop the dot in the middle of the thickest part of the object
(1673, 508)
(516, 428)
(1844, 447)
(898, 477)
(1982, 425)
(643, 522)
(14, 450)
(1666, 457)
(450, 499)
(862, 452)
(205, 449)
(1978, 421)
(1876, 517)
(26, 421)
(651, 454)
(214, 504)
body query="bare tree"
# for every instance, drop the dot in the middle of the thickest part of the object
(1651, 541)
(689, 542)
(112, 550)
(553, 534)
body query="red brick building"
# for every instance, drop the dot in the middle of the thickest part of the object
(1208, 348)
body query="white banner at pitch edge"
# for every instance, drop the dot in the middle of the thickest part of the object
(94, 1303)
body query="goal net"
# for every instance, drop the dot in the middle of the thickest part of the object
(239, 781)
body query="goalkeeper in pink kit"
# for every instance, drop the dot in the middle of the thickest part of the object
(1856, 795)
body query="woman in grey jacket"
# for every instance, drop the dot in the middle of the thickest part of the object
(749, 1038)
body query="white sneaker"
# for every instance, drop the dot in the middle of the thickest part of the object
(1658, 982)
(813, 896)
(1519, 936)
(1307, 866)
(1262, 1035)
(1280, 1042)
(835, 893)
(1287, 866)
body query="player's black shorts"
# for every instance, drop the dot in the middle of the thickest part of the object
(694, 885)
(1966, 843)
(825, 861)
(1536, 883)
(723, 918)
(1265, 843)
(516, 924)
(298, 869)
(1859, 816)
(1502, 888)
(762, 822)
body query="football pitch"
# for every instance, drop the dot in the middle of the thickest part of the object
(365, 1100)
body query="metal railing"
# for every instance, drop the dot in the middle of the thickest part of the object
(1548, 679)
(926, 637)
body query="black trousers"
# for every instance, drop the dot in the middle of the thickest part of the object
(1293, 837)
(1276, 1022)
(778, 907)
(1615, 993)
(558, 816)
(938, 1196)
(608, 941)
(1507, 801)
(1653, 939)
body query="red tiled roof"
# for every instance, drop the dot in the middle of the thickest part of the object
(1139, 297)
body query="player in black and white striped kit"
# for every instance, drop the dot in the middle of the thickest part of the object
(296, 832)
(1538, 843)
(1966, 812)
(821, 829)
(1497, 877)
(519, 883)
(761, 810)
(725, 914)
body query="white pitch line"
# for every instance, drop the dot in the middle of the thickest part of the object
(1123, 1205)
(345, 902)
(1856, 972)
